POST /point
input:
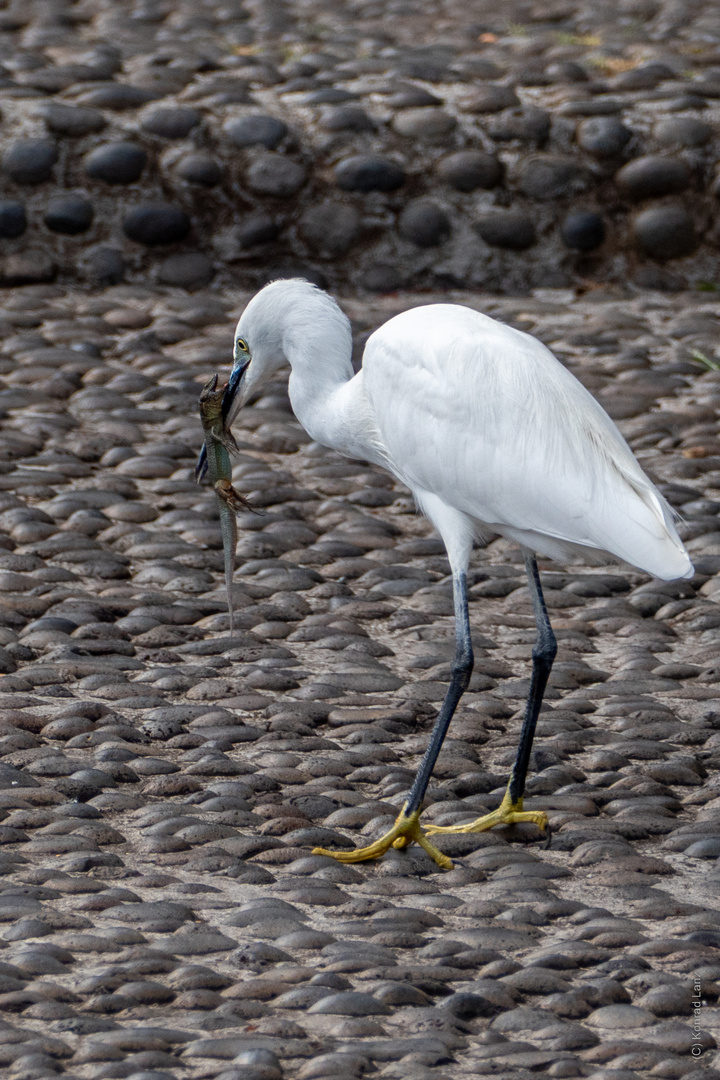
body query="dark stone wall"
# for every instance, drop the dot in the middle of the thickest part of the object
(413, 145)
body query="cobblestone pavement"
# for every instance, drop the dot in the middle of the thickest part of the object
(163, 784)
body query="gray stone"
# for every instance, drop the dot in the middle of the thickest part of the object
(257, 129)
(495, 937)
(190, 270)
(257, 229)
(424, 223)
(670, 1000)
(346, 118)
(411, 97)
(682, 131)
(665, 232)
(13, 219)
(117, 96)
(620, 1017)
(103, 266)
(566, 71)
(302, 997)
(428, 124)
(346, 1063)
(603, 136)
(275, 174)
(506, 229)
(331, 228)
(490, 98)
(583, 230)
(154, 911)
(69, 214)
(201, 169)
(350, 1003)
(369, 173)
(529, 125)
(171, 123)
(643, 77)
(198, 942)
(522, 1019)
(329, 95)
(72, 121)
(156, 223)
(116, 163)
(650, 176)
(469, 1006)
(10, 778)
(468, 170)
(30, 161)
(548, 176)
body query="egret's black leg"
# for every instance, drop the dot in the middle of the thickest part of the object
(543, 655)
(511, 810)
(459, 682)
(406, 829)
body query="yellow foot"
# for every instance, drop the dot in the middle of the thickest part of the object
(404, 832)
(506, 814)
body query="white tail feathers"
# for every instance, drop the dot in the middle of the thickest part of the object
(662, 553)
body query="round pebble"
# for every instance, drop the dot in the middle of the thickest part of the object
(547, 176)
(346, 118)
(156, 223)
(103, 266)
(652, 175)
(665, 232)
(510, 229)
(490, 98)
(116, 163)
(72, 121)
(682, 131)
(258, 129)
(13, 219)
(69, 214)
(583, 231)
(171, 123)
(276, 175)
(30, 161)
(350, 1003)
(190, 270)
(330, 228)
(201, 169)
(424, 123)
(258, 229)
(369, 173)
(468, 170)
(424, 223)
(603, 136)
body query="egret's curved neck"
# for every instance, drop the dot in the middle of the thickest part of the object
(319, 351)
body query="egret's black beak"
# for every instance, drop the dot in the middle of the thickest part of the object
(236, 377)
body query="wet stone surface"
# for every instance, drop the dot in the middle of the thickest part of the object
(162, 784)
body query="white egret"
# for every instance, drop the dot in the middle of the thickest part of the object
(493, 436)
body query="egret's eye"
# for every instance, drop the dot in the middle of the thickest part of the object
(242, 345)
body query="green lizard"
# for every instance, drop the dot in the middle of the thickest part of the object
(219, 444)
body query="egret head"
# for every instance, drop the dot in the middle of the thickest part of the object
(263, 337)
(289, 321)
(257, 355)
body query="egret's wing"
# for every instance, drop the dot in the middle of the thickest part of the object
(488, 419)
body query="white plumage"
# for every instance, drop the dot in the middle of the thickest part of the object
(484, 425)
(492, 435)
